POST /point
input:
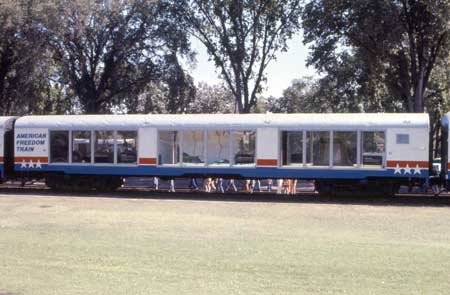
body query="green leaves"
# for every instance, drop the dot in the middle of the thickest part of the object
(396, 43)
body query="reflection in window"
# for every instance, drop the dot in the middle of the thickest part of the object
(244, 143)
(218, 148)
(126, 147)
(81, 146)
(193, 147)
(292, 147)
(59, 146)
(344, 148)
(104, 147)
(169, 148)
(318, 148)
(372, 148)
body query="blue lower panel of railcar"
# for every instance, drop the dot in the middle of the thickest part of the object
(1, 171)
(257, 172)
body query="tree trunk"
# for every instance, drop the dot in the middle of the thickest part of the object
(418, 93)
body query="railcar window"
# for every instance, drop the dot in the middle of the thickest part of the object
(244, 146)
(218, 148)
(372, 148)
(194, 148)
(344, 148)
(126, 147)
(81, 146)
(402, 138)
(104, 147)
(318, 148)
(292, 148)
(169, 148)
(59, 146)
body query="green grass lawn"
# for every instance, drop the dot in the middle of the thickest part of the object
(79, 245)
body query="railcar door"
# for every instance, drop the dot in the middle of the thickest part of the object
(9, 152)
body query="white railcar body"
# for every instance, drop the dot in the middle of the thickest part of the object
(404, 144)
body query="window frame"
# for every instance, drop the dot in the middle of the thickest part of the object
(90, 143)
(358, 164)
(205, 147)
(233, 164)
(69, 142)
(360, 151)
(92, 139)
(114, 147)
(158, 147)
(116, 151)
(230, 151)
(280, 148)
(190, 165)
(358, 147)
(330, 149)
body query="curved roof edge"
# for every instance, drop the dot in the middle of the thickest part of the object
(6, 122)
(211, 121)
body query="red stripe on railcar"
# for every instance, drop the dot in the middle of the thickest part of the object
(267, 162)
(147, 161)
(1, 159)
(421, 164)
(28, 159)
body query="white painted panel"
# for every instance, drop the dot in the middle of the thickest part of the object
(31, 142)
(147, 142)
(416, 150)
(267, 143)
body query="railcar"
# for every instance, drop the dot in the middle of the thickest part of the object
(338, 151)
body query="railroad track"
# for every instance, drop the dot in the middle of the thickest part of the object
(39, 189)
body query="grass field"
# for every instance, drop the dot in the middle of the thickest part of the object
(79, 245)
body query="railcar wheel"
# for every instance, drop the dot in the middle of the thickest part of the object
(108, 183)
(325, 189)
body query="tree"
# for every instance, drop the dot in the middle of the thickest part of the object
(212, 99)
(242, 37)
(398, 41)
(173, 93)
(109, 51)
(299, 97)
(24, 59)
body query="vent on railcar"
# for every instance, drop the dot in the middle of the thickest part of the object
(9, 151)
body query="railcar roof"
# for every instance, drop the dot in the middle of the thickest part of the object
(228, 121)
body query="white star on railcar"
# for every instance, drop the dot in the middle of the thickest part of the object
(38, 164)
(407, 169)
(417, 170)
(398, 170)
(23, 165)
(31, 164)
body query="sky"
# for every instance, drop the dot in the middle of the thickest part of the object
(289, 65)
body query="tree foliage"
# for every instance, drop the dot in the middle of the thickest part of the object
(108, 51)
(212, 99)
(242, 37)
(24, 65)
(396, 42)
